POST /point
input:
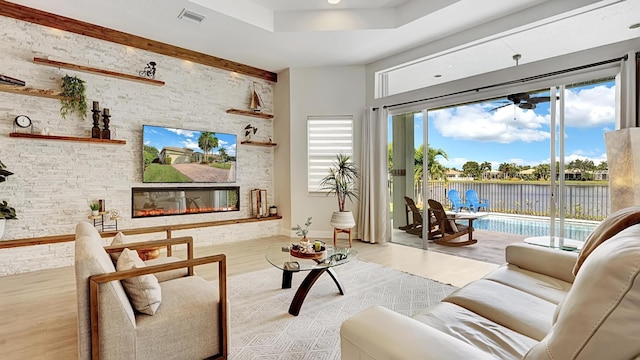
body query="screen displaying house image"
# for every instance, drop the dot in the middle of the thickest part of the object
(172, 155)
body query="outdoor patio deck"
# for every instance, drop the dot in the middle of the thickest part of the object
(490, 246)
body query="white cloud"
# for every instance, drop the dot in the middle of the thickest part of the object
(231, 150)
(190, 144)
(593, 107)
(477, 122)
(181, 132)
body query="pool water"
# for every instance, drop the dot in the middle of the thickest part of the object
(533, 227)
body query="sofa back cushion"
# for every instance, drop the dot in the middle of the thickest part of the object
(599, 317)
(92, 259)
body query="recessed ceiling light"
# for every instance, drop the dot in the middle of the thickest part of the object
(634, 26)
(333, 2)
(437, 75)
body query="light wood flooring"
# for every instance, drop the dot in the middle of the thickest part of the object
(38, 309)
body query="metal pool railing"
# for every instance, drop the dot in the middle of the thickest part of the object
(582, 201)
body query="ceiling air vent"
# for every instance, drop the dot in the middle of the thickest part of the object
(190, 15)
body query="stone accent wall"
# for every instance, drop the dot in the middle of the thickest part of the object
(54, 179)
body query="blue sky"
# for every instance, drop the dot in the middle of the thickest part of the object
(160, 137)
(513, 135)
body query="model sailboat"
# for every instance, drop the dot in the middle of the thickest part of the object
(256, 101)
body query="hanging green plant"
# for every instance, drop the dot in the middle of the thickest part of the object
(6, 211)
(74, 100)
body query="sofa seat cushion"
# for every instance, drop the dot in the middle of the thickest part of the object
(515, 309)
(190, 305)
(378, 333)
(599, 316)
(540, 285)
(170, 274)
(477, 331)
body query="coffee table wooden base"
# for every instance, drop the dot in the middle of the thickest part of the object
(306, 285)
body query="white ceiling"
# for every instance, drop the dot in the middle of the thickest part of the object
(278, 34)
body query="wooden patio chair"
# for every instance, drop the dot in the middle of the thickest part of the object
(414, 228)
(447, 229)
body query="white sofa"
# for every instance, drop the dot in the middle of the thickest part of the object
(530, 308)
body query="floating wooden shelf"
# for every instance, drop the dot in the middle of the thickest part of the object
(67, 138)
(51, 94)
(168, 229)
(250, 113)
(259, 143)
(109, 73)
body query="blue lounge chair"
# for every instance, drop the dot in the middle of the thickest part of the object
(456, 202)
(472, 198)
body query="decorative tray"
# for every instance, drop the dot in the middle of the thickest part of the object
(317, 255)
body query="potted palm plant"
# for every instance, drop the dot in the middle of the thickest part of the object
(6, 211)
(341, 180)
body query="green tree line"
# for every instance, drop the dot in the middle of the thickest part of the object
(437, 171)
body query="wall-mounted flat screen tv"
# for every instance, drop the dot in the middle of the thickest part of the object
(174, 155)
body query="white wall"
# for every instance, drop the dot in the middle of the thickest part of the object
(318, 91)
(54, 179)
(282, 127)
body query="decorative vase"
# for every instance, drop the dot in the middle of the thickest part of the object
(3, 221)
(342, 220)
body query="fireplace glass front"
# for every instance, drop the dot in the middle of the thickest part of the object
(155, 201)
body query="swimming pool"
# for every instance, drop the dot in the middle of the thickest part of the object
(533, 227)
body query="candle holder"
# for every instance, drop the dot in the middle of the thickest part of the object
(96, 133)
(106, 133)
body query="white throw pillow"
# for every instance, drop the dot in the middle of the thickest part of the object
(119, 239)
(143, 291)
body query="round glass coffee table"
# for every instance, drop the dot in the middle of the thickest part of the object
(279, 256)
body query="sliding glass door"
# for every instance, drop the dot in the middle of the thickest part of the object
(405, 158)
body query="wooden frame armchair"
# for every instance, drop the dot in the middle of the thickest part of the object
(446, 232)
(414, 228)
(190, 323)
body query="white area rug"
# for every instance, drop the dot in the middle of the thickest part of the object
(262, 328)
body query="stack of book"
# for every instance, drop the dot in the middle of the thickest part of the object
(11, 81)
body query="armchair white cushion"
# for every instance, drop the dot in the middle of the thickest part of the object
(144, 290)
(190, 323)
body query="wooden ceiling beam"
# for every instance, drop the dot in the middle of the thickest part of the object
(44, 18)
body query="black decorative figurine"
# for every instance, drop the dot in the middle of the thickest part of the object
(149, 70)
(106, 133)
(95, 130)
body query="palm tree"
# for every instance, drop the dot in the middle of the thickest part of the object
(485, 168)
(207, 141)
(436, 170)
(223, 154)
(341, 180)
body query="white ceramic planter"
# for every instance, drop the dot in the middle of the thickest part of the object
(342, 220)
(2, 223)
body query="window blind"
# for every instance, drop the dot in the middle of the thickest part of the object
(327, 136)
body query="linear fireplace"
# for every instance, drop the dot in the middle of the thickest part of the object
(157, 201)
